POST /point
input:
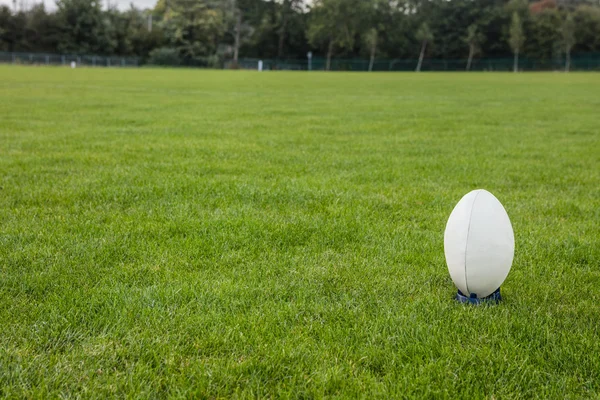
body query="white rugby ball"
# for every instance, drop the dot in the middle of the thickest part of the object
(479, 244)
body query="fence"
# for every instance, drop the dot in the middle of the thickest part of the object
(67, 59)
(588, 62)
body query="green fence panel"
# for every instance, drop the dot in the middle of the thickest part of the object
(584, 62)
(66, 59)
(578, 63)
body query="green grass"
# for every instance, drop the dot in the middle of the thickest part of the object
(210, 234)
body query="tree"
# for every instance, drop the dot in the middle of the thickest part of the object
(199, 32)
(240, 29)
(334, 24)
(237, 15)
(144, 37)
(11, 29)
(288, 8)
(544, 40)
(587, 29)
(568, 37)
(424, 36)
(371, 42)
(82, 28)
(40, 29)
(5, 28)
(474, 39)
(516, 39)
(193, 27)
(449, 21)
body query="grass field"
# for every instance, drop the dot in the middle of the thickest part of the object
(210, 234)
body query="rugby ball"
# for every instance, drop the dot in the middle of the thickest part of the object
(479, 244)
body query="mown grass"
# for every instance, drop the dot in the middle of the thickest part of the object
(210, 234)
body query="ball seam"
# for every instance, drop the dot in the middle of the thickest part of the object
(467, 241)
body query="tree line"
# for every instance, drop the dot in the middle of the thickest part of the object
(207, 32)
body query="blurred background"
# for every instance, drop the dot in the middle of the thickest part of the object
(361, 35)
